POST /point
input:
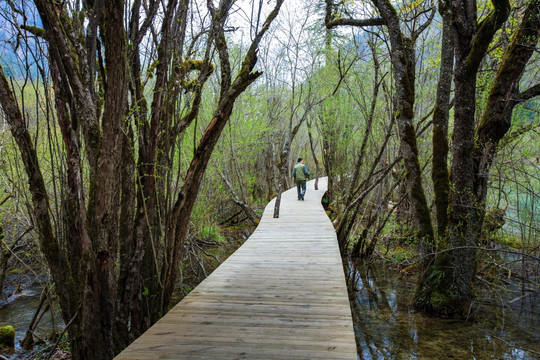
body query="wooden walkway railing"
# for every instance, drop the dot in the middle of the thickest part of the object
(281, 295)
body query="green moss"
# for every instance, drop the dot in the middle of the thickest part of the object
(440, 176)
(423, 216)
(507, 241)
(7, 337)
(494, 220)
(37, 31)
(188, 66)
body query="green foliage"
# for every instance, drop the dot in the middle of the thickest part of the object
(508, 241)
(401, 255)
(436, 276)
(211, 233)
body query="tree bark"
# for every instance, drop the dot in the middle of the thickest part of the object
(312, 146)
(448, 287)
(471, 41)
(439, 173)
(403, 61)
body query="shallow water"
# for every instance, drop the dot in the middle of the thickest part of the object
(386, 327)
(18, 312)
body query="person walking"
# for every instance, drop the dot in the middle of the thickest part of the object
(300, 175)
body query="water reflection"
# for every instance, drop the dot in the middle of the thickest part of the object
(386, 327)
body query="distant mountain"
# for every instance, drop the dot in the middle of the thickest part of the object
(12, 55)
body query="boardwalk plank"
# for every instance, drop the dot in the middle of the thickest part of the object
(281, 295)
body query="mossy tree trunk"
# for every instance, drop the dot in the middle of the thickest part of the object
(439, 173)
(453, 294)
(447, 286)
(403, 62)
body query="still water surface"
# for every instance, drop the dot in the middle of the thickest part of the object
(386, 327)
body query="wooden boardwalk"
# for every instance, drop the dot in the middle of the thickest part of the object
(281, 295)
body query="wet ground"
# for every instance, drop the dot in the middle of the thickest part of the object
(386, 327)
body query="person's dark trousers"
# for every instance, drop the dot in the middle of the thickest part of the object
(301, 188)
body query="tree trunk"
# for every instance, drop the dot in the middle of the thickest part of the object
(403, 61)
(439, 173)
(471, 46)
(448, 286)
(281, 185)
(6, 254)
(312, 146)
